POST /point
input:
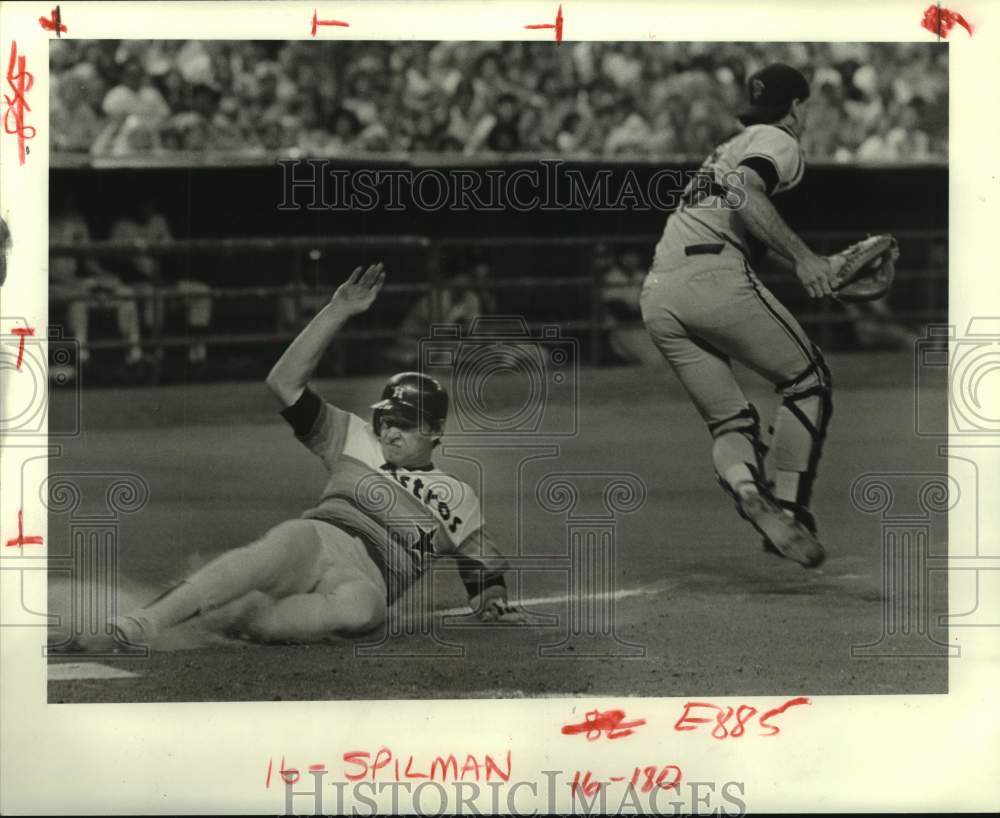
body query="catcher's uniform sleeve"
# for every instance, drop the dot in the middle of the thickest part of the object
(329, 432)
(775, 155)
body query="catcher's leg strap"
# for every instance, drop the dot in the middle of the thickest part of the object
(800, 429)
(737, 450)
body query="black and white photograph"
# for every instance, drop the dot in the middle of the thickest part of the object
(502, 401)
(455, 369)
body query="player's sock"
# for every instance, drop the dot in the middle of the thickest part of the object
(135, 628)
(732, 453)
(741, 480)
(178, 604)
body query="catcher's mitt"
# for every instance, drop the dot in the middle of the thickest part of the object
(868, 269)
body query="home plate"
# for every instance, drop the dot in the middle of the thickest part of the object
(69, 671)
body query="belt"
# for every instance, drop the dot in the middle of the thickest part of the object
(703, 249)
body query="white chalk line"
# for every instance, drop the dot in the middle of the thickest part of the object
(74, 671)
(539, 601)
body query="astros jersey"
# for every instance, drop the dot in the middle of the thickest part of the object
(707, 215)
(405, 517)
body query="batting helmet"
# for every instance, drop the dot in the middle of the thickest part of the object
(411, 397)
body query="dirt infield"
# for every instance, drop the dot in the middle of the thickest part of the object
(698, 608)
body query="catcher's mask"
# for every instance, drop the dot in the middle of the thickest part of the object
(408, 399)
(771, 91)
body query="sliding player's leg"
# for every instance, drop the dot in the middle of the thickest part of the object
(354, 607)
(348, 600)
(288, 559)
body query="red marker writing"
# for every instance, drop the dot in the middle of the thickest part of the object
(289, 775)
(644, 779)
(316, 23)
(21, 332)
(777, 711)
(558, 25)
(596, 724)
(53, 22)
(941, 21)
(20, 82)
(20, 539)
(728, 722)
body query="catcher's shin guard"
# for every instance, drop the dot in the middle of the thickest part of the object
(737, 450)
(799, 432)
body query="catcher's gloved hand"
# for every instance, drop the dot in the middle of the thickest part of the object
(492, 606)
(865, 270)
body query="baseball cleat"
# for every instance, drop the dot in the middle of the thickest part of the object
(93, 643)
(127, 632)
(783, 534)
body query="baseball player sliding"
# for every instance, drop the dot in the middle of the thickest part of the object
(385, 512)
(703, 305)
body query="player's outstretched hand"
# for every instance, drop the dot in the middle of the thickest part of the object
(815, 273)
(492, 607)
(358, 293)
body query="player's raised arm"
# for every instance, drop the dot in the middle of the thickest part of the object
(763, 220)
(289, 376)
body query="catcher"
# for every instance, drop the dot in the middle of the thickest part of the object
(385, 513)
(703, 306)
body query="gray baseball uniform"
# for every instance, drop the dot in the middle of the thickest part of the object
(703, 306)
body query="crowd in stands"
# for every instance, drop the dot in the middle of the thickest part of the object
(884, 102)
(136, 289)
(149, 298)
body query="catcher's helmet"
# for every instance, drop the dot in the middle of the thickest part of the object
(771, 91)
(412, 397)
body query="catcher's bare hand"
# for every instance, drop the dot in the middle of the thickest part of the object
(815, 273)
(358, 293)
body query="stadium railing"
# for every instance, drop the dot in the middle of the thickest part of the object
(924, 283)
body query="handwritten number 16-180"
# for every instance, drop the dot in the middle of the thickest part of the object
(644, 779)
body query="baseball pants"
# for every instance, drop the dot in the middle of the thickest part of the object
(704, 310)
(304, 580)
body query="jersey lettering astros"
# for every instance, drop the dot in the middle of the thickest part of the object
(707, 215)
(405, 517)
